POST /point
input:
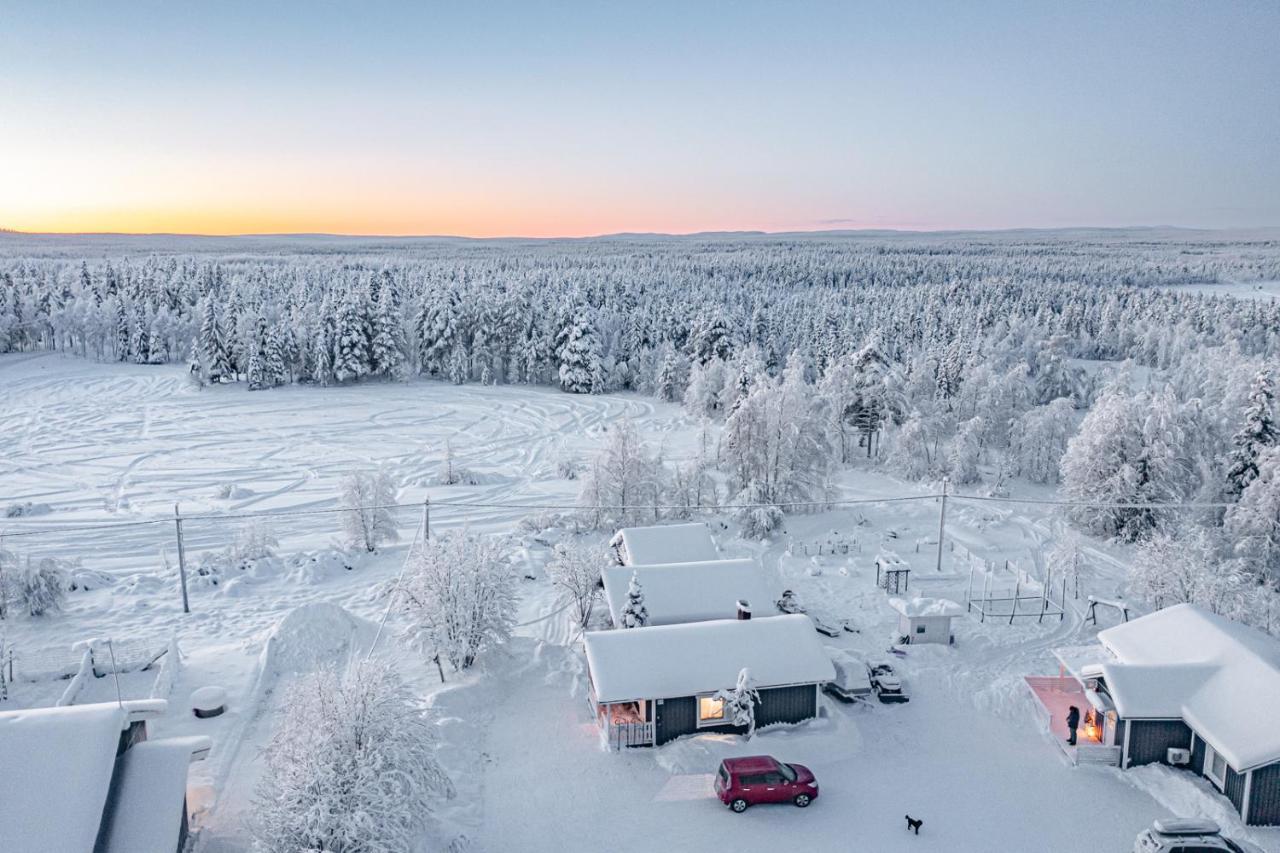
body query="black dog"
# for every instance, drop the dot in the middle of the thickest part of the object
(913, 824)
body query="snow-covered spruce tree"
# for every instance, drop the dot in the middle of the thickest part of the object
(574, 568)
(580, 368)
(668, 384)
(740, 702)
(37, 586)
(704, 395)
(351, 347)
(386, 348)
(1253, 524)
(1258, 434)
(351, 767)
(622, 482)
(634, 613)
(460, 596)
(714, 340)
(366, 496)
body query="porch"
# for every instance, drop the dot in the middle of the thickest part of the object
(625, 724)
(1095, 737)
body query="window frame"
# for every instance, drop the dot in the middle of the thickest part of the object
(1211, 755)
(710, 722)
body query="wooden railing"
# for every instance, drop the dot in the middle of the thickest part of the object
(622, 735)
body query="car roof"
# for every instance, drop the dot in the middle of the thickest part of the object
(751, 764)
(1186, 826)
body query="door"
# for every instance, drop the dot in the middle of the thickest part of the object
(776, 788)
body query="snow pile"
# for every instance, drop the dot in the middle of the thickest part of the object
(688, 592)
(701, 657)
(1221, 677)
(309, 636)
(665, 543)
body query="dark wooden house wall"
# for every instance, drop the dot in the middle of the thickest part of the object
(1149, 740)
(677, 717)
(1197, 756)
(1264, 797)
(1235, 788)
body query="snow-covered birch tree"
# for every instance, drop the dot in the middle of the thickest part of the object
(366, 498)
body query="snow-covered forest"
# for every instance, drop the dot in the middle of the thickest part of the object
(1079, 360)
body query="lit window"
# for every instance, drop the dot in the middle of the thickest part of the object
(710, 709)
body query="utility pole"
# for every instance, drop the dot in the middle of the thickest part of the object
(942, 520)
(182, 559)
(426, 520)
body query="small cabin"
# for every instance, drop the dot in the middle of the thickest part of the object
(687, 592)
(663, 544)
(91, 781)
(925, 620)
(649, 686)
(1182, 687)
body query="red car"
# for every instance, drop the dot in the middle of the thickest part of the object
(756, 779)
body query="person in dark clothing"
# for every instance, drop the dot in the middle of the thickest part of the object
(1073, 722)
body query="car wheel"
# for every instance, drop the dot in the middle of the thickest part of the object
(739, 805)
(802, 800)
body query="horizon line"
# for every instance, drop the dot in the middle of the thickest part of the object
(667, 234)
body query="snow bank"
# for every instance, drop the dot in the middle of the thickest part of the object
(309, 636)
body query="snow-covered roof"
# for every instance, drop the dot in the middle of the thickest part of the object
(919, 607)
(1221, 677)
(668, 661)
(688, 592)
(152, 786)
(666, 543)
(65, 758)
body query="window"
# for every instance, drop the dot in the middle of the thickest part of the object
(710, 711)
(919, 629)
(1215, 767)
(788, 772)
(747, 781)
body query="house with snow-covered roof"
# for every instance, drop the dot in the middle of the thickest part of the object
(651, 685)
(1184, 687)
(687, 592)
(87, 779)
(664, 543)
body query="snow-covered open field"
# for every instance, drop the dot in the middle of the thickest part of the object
(113, 443)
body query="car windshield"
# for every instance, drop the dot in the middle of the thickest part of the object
(788, 772)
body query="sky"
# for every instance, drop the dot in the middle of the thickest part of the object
(561, 119)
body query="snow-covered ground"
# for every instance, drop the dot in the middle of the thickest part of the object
(110, 443)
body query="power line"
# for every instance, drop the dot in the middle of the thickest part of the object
(708, 508)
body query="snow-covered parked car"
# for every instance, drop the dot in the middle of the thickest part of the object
(1183, 835)
(852, 681)
(886, 684)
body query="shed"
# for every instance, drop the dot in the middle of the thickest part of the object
(687, 592)
(664, 543)
(925, 620)
(87, 782)
(652, 685)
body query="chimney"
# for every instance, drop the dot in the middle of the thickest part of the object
(744, 610)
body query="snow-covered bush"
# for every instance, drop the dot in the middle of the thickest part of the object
(574, 568)
(634, 612)
(255, 540)
(740, 702)
(36, 586)
(965, 452)
(350, 769)
(366, 497)
(460, 596)
(1189, 566)
(758, 519)
(568, 465)
(911, 452)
